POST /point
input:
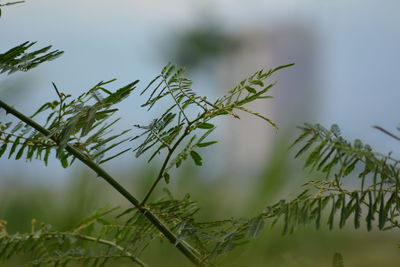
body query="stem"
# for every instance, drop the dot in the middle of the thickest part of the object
(176, 101)
(112, 244)
(60, 96)
(387, 132)
(29, 143)
(159, 177)
(161, 173)
(192, 255)
(160, 139)
(170, 152)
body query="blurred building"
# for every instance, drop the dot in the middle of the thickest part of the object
(251, 140)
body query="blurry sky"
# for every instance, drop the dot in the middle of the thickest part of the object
(357, 58)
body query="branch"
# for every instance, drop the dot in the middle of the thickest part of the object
(192, 255)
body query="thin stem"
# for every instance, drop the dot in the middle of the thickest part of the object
(83, 237)
(112, 244)
(192, 255)
(161, 173)
(170, 152)
(160, 139)
(194, 98)
(29, 143)
(61, 97)
(387, 132)
(12, 3)
(176, 101)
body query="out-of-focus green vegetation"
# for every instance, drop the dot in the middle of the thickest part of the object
(64, 207)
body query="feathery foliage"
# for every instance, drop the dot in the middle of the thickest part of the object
(18, 59)
(375, 198)
(70, 122)
(81, 128)
(190, 113)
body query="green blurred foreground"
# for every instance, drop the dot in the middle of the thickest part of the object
(218, 199)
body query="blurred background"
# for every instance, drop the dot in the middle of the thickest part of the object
(346, 55)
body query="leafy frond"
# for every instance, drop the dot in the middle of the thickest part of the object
(248, 90)
(376, 200)
(19, 59)
(21, 139)
(84, 123)
(168, 131)
(330, 152)
(163, 131)
(338, 206)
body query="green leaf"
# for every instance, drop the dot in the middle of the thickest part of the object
(303, 149)
(196, 158)
(206, 144)
(331, 217)
(350, 167)
(205, 125)
(3, 149)
(14, 146)
(255, 227)
(31, 150)
(315, 154)
(89, 120)
(370, 215)
(46, 156)
(283, 67)
(257, 82)
(382, 212)
(343, 212)
(21, 150)
(301, 137)
(318, 215)
(357, 214)
(286, 209)
(335, 129)
(64, 160)
(250, 89)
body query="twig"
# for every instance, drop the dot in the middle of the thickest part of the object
(176, 101)
(161, 173)
(112, 244)
(387, 132)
